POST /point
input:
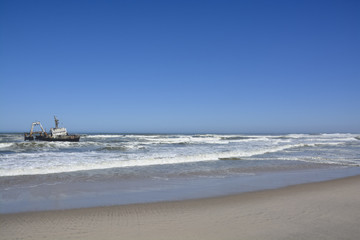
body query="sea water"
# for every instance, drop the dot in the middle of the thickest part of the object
(107, 169)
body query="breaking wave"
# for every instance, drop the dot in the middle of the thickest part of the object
(104, 151)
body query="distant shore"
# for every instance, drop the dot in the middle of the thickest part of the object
(323, 210)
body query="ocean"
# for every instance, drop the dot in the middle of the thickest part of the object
(110, 169)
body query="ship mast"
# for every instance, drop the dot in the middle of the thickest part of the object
(56, 122)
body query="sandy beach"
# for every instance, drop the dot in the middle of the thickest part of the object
(324, 210)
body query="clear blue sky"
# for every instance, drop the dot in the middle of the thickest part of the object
(181, 66)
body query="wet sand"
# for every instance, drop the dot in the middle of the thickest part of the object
(324, 210)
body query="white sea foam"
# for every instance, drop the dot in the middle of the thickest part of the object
(5, 145)
(103, 136)
(117, 151)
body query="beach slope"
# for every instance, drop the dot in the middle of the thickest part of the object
(324, 210)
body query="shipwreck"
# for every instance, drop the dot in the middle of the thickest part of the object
(55, 134)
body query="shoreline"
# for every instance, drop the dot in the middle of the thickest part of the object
(43, 194)
(319, 210)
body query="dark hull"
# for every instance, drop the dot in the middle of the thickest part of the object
(28, 138)
(68, 138)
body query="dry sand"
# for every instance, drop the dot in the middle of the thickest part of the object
(325, 210)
